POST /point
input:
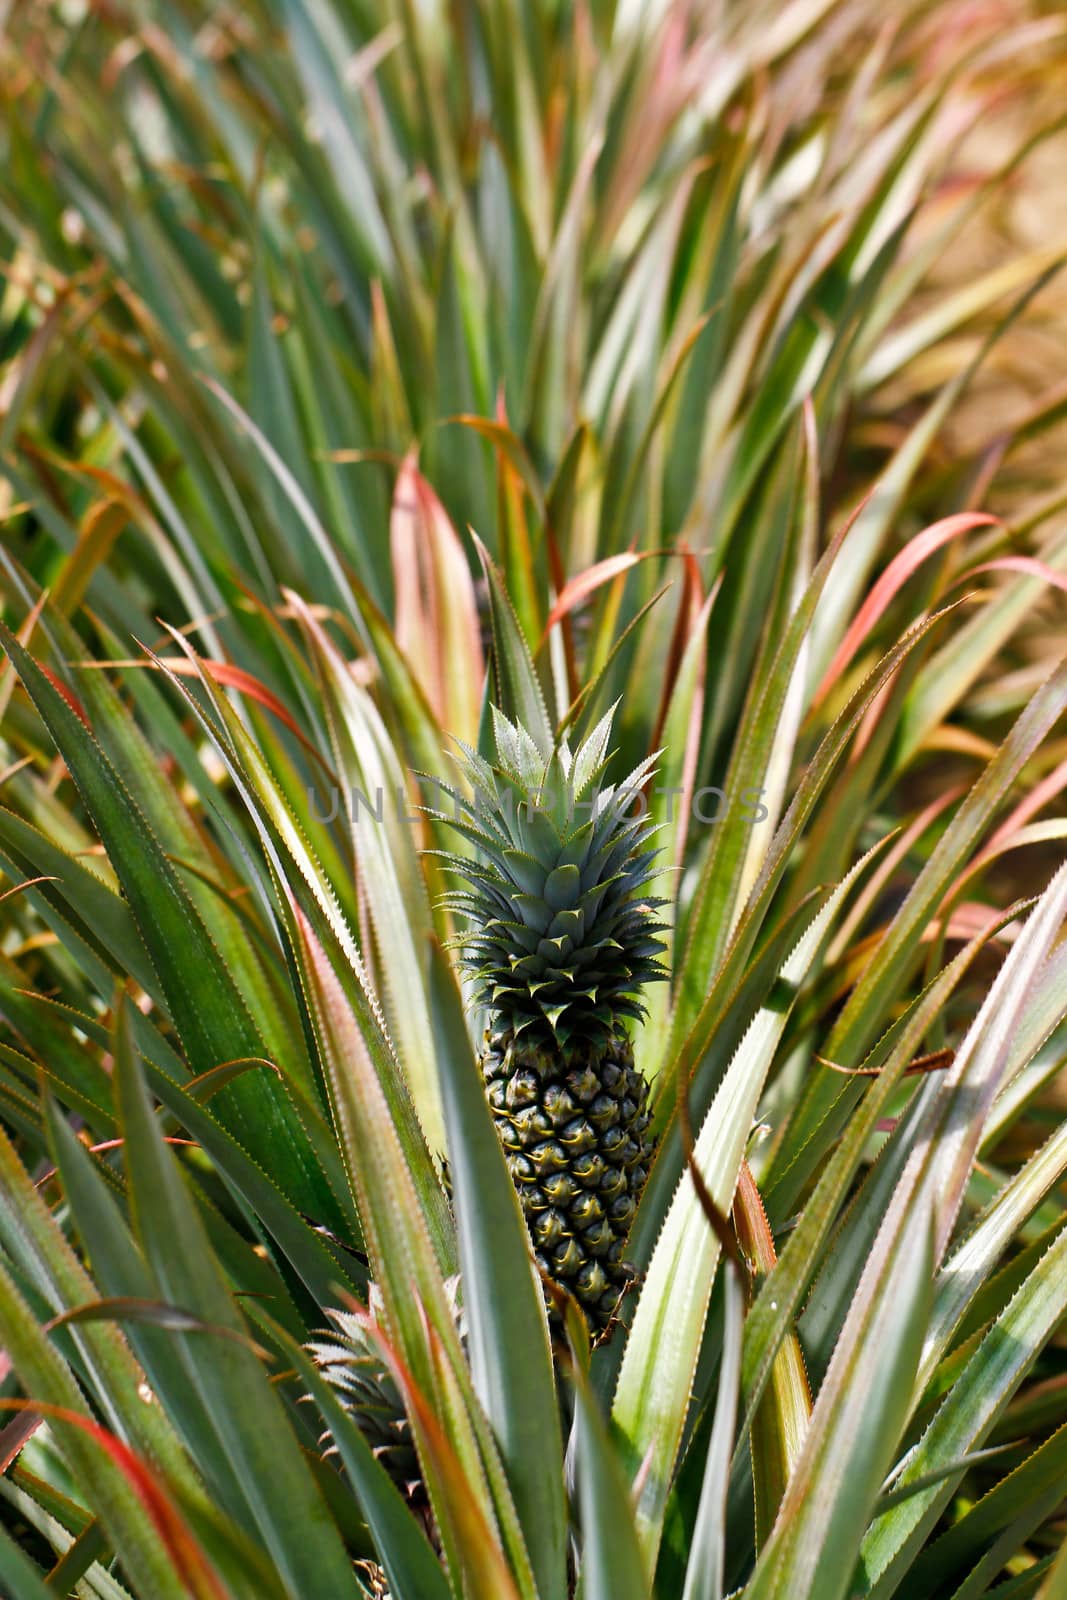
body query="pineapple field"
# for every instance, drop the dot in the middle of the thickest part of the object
(533, 744)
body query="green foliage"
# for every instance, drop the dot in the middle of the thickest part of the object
(647, 297)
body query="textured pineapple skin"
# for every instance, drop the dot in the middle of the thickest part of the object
(574, 1127)
(366, 1389)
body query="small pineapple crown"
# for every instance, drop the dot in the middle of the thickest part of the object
(352, 1364)
(562, 933)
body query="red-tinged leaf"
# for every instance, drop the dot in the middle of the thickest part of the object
(1029, 566)
(19, 1431)
(481, 1559)
(896, 574)
(1000, 841)
(24, 635)
(1052, 784)
(113, 1144)
(208, 1083)
(130, 1308)
(227, 676)
(20, 888)
(968, 920)
(578, 588)
(693, 577)
(668, 81)
(871, 718)
(436, 611)
(516, 481)
(687, 623)
(184, 1551)
(781, 1419)
(560, 510)
(68, 694)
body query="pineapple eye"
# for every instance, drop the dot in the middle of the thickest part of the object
(606, 1111)
(561, 1188)
(567, 1258)
(613, 1183)
(587, 1209)
(549, 1156)
(549, 1228)
(578, 1136)
(589, 1170)
(520, 1090)
(599, 1237)
(591, 1280)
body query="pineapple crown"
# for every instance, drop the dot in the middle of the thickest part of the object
(562, 935)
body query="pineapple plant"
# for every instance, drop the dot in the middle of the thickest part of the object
(353, 1367)
(564, 933)
(658, 299)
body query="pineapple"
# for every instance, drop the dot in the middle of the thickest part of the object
(563, 934)
(350, 1360)
(354, 1367)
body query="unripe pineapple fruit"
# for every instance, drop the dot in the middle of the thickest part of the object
(562, 936)
(350, 1360)
(353, 1365)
